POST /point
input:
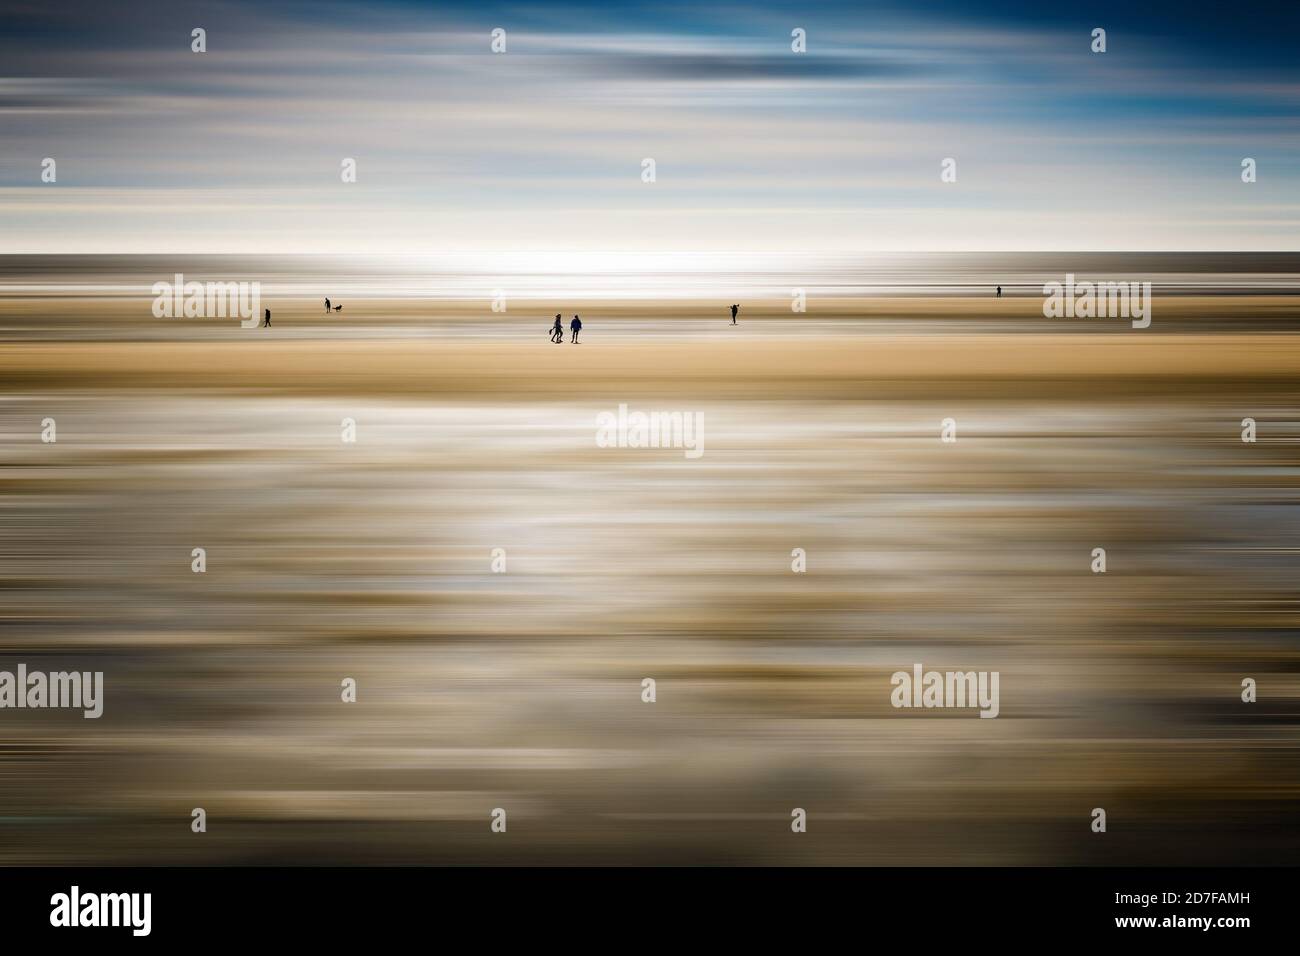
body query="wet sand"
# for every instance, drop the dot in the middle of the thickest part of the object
(522, 690)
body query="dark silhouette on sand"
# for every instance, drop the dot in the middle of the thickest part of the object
(576, 326)
(999, 292)
(266, 322)
(327, 305)
(557, 331)
(338, 308)
(734, 310)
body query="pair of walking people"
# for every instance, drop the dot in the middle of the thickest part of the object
(557, 330)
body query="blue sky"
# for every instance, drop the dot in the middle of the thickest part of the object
(540, 149)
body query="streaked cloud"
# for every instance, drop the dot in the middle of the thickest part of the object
(1050, 139)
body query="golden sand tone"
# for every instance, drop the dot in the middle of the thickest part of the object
(373, 560)
(793, 369)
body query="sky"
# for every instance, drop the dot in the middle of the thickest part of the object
(537, 154)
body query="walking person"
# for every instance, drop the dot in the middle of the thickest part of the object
(576, 326)
(999, 292)
(266, 322)
(734, 310)
(327, 305)
(557, 330)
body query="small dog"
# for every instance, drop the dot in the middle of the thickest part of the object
(338, 308)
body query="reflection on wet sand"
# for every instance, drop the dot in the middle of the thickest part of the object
(522, 690)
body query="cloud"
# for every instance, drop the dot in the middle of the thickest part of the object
(443, 129)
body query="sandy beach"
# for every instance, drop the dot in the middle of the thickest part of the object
(477, 689)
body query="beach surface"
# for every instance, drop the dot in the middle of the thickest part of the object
(499, 585)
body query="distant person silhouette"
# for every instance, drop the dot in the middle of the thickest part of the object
(266, 322)
(576, 326)
(557, 331)
(999, 292)
(734, 310)
(327, 305)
